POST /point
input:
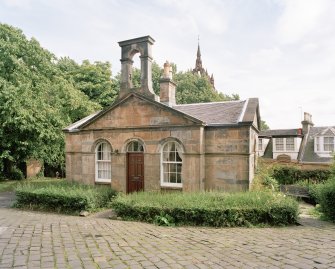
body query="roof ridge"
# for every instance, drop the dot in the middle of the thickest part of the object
(207, 103)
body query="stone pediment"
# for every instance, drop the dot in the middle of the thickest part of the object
(137, 111)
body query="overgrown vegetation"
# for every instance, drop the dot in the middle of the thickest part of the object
(291, 175)
(10, 185)
(208, 208)
(63, 196)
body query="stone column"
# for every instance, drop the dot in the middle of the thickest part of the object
(126, 76)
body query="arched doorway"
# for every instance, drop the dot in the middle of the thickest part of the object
(135, 166)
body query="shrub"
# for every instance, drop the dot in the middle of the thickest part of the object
(263, 177)
(326, 198)
(208, 208)
(63, 196)
(292, 175)
(15, 174)
(271, 183)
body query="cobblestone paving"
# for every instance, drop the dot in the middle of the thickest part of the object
(38, 240)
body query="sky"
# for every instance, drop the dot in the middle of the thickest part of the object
(281, 51)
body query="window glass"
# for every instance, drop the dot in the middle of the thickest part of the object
(280, 143)
(260, 144)
(290, 144)
(135, 146)
(328, 143)
(171, 164)
(103, 162)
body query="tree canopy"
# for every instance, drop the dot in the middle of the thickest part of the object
(191, 88)
(93, 79)
(36, 101)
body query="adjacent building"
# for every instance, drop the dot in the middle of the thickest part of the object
(306, 145)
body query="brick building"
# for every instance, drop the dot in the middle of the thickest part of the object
(148, 142)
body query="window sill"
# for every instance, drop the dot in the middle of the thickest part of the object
(174, 186)
(103, 182)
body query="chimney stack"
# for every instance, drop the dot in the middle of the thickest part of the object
(167, 86)
(307, 123)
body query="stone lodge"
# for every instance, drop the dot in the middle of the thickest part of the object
(148, 142)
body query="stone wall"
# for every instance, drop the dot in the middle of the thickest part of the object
(80, 156)
(227, 158)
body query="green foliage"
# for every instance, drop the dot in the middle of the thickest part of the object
(10, 185)
(292, 175)
(190, 88)
(36, 101)
(314, 192)
(208, 208)
(197, 89)
(270, 183)
(15, 174)
(264, 126)
(263, 178)
(63, 196)
(164, 220)
(326, 199)
(93, 79)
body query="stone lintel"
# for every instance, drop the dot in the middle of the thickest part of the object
(147, 38)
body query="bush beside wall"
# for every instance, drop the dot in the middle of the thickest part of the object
(63, 196)
(208, 209)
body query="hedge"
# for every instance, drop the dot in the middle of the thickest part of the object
(63, 197)
(326, 199)
(208, 209)
(292, 175)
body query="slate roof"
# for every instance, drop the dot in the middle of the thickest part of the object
(208, 114)
(308, 154)
(280, 132)
(214, 113)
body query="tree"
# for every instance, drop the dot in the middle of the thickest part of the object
(94, 80)
(36, 102)
(192, 88)
(264, 125)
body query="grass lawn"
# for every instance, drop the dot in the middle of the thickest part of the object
(10, 185)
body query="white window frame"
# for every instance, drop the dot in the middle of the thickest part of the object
(324, 143)
(107, 152)
(319, 144)
(260, 144)
(285, 145)
(179, 150)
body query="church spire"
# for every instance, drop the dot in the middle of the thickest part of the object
(199, 70)
(198, 62)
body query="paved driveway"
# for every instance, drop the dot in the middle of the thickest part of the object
(37, 240)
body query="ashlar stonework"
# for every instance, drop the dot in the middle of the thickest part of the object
(140, 143)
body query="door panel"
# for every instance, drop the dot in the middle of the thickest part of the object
(135, 177)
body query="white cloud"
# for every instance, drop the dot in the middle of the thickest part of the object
(300, 18)
(265, 56)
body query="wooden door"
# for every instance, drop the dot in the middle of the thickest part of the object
(135, 177)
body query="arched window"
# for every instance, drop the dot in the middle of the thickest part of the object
(135, 146)
(103, 167)
(171, 164)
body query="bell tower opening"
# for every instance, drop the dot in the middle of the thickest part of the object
(129, 48)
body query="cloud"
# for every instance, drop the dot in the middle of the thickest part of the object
(20, 4)
(300, 18)
(265, 56)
